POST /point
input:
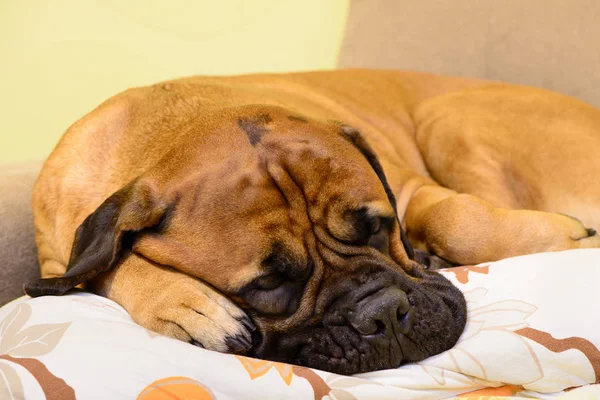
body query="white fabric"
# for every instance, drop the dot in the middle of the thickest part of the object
(533, 330)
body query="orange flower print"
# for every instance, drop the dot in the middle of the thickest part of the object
(492, 392)
(462, 273)
(257, 368)
(176, 388)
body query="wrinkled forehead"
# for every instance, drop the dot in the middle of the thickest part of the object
(244, 149)
(267, 165)
(323, 163)
(317, 165)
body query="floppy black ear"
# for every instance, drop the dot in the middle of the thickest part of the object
(100, 239)
(354, 136)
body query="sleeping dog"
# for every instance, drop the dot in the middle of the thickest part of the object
(291, 217)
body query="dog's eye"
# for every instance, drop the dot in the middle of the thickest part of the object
(269, 282)
(369, 229)
(273, 295)
(380, 241)
(375, 225)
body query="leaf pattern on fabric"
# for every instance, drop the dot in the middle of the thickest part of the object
(36, 340)
(338, 394)
(339, 384)
(10, 383)
(347, 382)
(54, 388)
(14, 321)
(319, 386)
(257, 368)
(490, 323)
(559, 345)
(17, 343)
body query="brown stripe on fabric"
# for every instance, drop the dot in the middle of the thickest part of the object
(53, 387)
(559, 345)
(320, 387)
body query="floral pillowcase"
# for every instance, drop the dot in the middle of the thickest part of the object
(533, 331)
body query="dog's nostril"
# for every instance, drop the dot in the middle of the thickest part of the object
(400, 314)
(381, 327)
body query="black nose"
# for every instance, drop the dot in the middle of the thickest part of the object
(385, 312)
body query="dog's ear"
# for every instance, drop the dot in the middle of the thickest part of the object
(355, 137)
(103, 236)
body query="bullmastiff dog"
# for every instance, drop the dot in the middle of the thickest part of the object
(277, 215)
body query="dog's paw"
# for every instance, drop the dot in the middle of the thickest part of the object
(193, 312)
(587, 239)
(577, 235)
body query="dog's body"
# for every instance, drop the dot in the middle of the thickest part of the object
(480, 171)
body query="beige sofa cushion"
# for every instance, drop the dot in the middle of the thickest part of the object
(18, 258)
(545, 43)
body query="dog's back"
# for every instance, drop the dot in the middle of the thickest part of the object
(532, 148)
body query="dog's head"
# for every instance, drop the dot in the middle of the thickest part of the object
(293, 219)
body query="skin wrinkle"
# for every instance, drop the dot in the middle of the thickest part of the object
(305, 307)
(298, 185)
(390, 350)
(287, 201)
(317, 288)
(297, 119)
(287, 198)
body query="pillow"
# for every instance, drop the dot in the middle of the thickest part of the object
(533, 330)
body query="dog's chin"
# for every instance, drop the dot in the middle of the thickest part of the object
(437, 319)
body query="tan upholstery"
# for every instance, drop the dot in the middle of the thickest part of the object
(18, 258)
(553, 44)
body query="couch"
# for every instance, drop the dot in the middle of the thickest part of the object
(18, 258)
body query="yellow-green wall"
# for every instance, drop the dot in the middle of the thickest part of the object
(61, 58)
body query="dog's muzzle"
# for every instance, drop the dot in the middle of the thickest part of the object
(373, 321)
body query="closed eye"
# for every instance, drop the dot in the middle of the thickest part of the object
(369, 229)
(273, 295)
(381, 224)
(380, 241)
(269, 282)
(279, 289)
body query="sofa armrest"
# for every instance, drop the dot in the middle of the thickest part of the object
(18, 256)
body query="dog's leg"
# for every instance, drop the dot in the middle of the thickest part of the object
(177, 305)
(465, 229)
